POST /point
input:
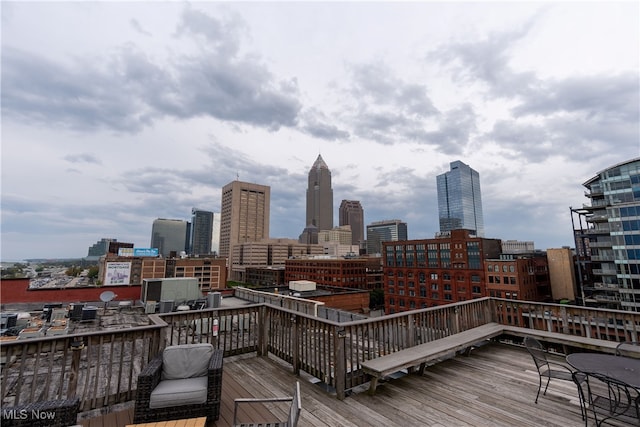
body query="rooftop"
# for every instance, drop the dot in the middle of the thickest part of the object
(494, 386)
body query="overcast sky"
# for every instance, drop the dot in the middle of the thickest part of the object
(118, 113)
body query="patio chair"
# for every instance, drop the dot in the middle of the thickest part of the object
(184, 381)
(292, 419)
(548, 369)
(628, 348)
(611, 400)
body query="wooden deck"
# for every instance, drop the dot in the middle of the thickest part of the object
(494, 386)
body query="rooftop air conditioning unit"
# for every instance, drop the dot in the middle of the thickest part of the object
(166, 306)
(150, 307)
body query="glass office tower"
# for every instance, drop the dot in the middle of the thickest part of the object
(384, 231)
(459, 199)
(201, 231)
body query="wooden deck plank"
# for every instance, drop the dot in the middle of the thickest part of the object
(495, 386)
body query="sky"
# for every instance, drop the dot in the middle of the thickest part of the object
(118, 113)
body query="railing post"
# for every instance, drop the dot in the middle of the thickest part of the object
(489, 311)
(565, 323)
(263, 331)
(76, 353)
(456, 320)
(294, 345)
(411, 330)
(340, 363)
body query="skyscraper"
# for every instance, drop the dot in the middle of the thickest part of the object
(459, 199)
(244, 216)
(320, 196)
(351, 213)
(215, 234)
(384, 231)
(201, 230)
(170, 235)
(609, 258)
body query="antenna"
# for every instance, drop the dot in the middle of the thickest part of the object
(237, 176)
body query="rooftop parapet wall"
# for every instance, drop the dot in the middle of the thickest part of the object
(16, 291)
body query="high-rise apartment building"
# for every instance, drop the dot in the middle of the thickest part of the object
(609, 270)
(320, 196)
(201, 230)
(170, 235)
(384, 231)
(459, 199)
(351, 213)
(244, 216)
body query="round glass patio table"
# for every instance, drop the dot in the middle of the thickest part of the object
(620, 368)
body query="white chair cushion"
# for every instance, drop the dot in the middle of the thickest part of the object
(187, 391)
(186, 361)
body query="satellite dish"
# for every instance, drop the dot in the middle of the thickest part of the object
(107, 296)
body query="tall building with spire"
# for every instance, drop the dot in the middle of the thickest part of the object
(244, 216)
(459, 199)
(320, 196)
(351, 213)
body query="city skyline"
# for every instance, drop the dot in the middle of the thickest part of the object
(117, 113)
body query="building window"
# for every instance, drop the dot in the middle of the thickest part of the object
(423, 291)
(476, 289)
(434, 295)
(434, 276)
(447, 297)
(434, 286)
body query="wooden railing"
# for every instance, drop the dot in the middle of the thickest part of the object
(101, 367)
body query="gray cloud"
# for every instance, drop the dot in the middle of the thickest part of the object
(576, 117)
(130, 90)
(83, 158)
(387, 109)
(38, 90)
(610, 96)
(136, 26)
(316, 124)
(455, 130)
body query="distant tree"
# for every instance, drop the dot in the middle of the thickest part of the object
(376, 299)
(93, 272)
(73, 271)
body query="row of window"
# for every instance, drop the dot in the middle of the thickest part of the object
(510, 280)
(433, 276)
(505, 267)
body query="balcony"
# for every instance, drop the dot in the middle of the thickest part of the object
(267, 348)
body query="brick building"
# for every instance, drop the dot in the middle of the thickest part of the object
(518, 277)
(357, 273)
(211, 272)
(431, 272)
